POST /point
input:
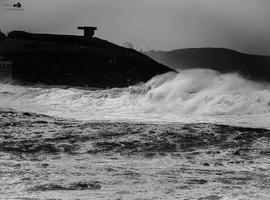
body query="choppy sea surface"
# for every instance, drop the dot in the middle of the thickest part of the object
(196, 135)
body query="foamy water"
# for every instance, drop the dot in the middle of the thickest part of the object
(189, 96)
(43, 157)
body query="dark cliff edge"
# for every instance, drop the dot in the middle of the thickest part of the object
(2, 36)
(253, 67)
(75, 61)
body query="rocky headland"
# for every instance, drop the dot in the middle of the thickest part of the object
(75, 61)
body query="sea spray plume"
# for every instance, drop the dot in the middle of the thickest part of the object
(206, 92)
(153, 83)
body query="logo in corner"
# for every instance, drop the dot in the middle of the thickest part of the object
(17, 5)
(14, 6)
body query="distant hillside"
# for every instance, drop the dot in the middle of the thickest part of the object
(219, 59)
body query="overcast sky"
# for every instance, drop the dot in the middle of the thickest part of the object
(151, 24)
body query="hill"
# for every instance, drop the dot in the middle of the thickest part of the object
(76, 61)
(219, 59)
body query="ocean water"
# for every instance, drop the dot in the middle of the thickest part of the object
(191, 96)
(197, 134)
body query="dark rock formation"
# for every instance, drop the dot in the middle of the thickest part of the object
(76, 61)
(222, 60)
(2, 36)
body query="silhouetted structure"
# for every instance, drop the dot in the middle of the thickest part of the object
(89, 31)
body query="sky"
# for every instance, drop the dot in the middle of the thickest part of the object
(243, 25)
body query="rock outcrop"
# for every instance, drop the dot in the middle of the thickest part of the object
(2, 36)
(76, 61)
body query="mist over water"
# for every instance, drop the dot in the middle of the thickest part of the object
(198, 95)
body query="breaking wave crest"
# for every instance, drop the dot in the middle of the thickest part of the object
(169, 97)
(207, 92)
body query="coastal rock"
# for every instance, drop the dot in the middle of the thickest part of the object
(76, 61)
(2, 36)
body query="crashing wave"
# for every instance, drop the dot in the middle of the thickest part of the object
(170, 97)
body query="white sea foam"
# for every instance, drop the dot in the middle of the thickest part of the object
(197, 95)
(206, 92)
